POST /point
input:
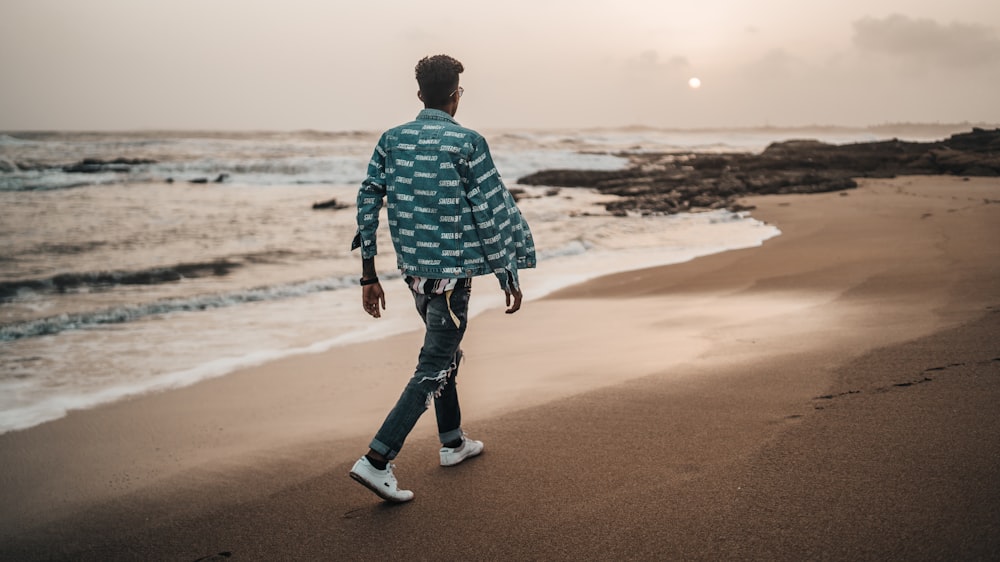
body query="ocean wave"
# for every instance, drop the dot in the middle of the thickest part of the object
(68, 249)
(349, 169)
(7, 140)
(122, 314)
(571, 248)
(39, 181)
(129, 313)
(103, 279)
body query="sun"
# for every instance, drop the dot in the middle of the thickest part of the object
(694, 83)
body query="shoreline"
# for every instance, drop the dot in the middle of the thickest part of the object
(753, 337)
(312, 321)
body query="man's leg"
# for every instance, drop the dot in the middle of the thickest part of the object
(455, 447)
(434, 366)
(447, 409)
(445, 318)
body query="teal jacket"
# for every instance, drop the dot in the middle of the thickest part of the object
(449, 213)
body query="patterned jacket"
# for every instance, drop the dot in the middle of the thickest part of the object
(449, 213)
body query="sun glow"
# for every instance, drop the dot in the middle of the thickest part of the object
(694, 83)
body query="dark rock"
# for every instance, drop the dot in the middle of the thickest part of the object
(578, 178)
(739, 207)
(978, 140)
(218, 179)
(329, 204)
(680, 181)
(517, 193)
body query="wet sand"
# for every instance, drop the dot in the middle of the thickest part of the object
(829, 395)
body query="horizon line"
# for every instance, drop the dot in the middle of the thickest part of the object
(764, 127)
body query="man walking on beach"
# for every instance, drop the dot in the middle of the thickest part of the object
(450, 219)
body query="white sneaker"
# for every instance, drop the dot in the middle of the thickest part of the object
(469, 448)
(382, 482)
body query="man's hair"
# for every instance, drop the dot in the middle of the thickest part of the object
(438, 78)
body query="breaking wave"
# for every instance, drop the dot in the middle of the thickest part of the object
(118, 315)
(105, 279)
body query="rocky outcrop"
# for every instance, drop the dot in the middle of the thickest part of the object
(681, 181)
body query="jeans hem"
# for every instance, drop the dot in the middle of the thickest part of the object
(450, 436)
(382, 449)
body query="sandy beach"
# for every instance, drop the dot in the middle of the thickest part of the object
(829, 395)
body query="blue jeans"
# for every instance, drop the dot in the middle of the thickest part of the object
(445, 319)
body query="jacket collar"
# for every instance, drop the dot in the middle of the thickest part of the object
(436, 114)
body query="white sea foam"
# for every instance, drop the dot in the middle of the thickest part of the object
(57, 405)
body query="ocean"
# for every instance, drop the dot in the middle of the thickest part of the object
(147, 274)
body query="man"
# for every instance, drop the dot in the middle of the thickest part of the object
(451, 219)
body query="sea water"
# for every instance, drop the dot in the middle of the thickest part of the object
(126, 282)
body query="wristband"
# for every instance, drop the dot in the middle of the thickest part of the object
(371, 281)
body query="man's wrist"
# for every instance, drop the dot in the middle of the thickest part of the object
(369, 280)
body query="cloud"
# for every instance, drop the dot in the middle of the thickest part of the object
(927, 41)
(650, 61)
(777, 63)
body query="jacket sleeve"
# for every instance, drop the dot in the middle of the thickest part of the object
(493, 212)
(370, 198)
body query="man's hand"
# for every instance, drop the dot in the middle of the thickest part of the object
(516, 294)
(372, 296)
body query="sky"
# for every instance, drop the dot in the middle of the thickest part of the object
(340, 65)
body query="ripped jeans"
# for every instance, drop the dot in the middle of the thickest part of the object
(445, 319)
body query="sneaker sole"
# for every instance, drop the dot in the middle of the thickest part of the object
(375, 489)
(463, 459)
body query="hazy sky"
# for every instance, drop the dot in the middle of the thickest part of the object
(348, 64)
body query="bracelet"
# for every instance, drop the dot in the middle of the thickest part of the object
(371, 281)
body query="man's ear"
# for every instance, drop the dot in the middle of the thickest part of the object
(420, 95)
